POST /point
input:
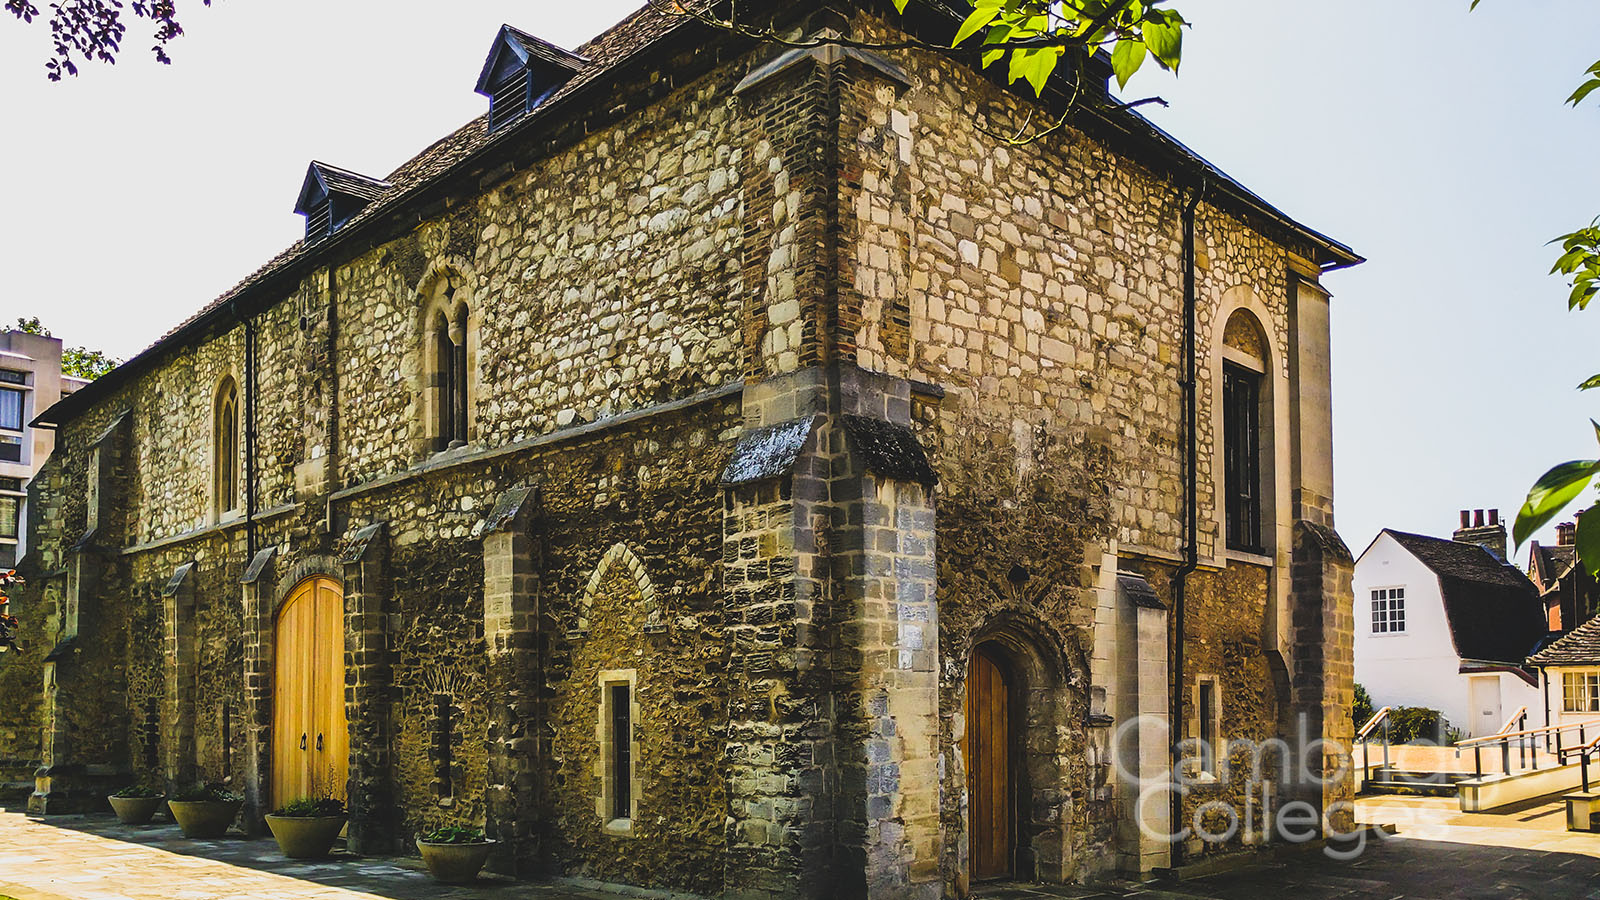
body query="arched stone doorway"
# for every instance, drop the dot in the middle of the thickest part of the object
(1018, 712)
(310, 734)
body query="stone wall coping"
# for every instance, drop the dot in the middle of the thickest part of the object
(555, 437)
(175, 583)
(208, 530)
(258, 564)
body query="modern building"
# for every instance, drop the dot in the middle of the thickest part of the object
(1448, 625)
(725, 467)
(30, 382)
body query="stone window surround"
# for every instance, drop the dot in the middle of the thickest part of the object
(1275, 508)
(605, 776)
(1207, 774)
(460, 306)
(217, 512)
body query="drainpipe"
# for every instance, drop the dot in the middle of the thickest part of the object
(249, 430)
(1191, 507)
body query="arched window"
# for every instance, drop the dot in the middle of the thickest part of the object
(1246, 429)
(447, 396)
(225, 449)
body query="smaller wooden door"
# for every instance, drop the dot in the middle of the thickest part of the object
(310, 736)
(989, 795)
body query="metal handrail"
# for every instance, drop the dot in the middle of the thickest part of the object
(1520, 716)
(1583, 753)
(1372, 723)
(1526, 739)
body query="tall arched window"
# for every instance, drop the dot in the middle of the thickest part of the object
(449, 412)
(1246, 430)
(225, 449)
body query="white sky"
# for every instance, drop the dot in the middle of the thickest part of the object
(1432, 140)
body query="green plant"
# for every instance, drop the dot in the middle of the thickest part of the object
(201, 793)
(312, 808)
(1410, 723)
(137, 791)
(1361, 709)
(455, 834)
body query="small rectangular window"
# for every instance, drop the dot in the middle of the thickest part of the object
(10, 449)
(11, 376)
(10, 517)
(1580, 692)
(11, 408)
(622, 751)
(1388, 610)
(1208, 725)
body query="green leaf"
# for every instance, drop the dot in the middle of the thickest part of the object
(984, 12)
(1583, 92)
(1126, 60)
(1165, 42)
(1591, 384)
(1588, 539)
(1554, 490)
(900, 5)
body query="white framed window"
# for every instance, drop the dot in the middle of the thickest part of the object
(1580, 692)
(1389, 610)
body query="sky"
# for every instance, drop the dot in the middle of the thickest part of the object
(1433, 141)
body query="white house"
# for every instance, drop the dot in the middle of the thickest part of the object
(1570, 670)
(1448, 624)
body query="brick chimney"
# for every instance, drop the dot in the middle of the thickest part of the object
(1490, 533)
(1566, 534)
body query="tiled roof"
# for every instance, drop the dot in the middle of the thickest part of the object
(1580, 647)
(1493, 609)
(633, 36)
(344, 181)
(1547, 565)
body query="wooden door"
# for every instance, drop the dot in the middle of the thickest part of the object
(310, 737)
(989, 795)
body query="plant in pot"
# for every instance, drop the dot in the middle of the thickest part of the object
(136, 804)
(454, 854)
(307, 828)
(205, 810)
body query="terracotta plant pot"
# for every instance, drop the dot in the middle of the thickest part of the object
(204, 818)
(135, 810)
(305, 837)
(454, 863)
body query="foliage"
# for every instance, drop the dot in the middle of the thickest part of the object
(1557, 488)
(79, 362)
(1411, 723)
(455, 834)
(312, 808)
(1361, 708)
(93, 30)
(137, 792)
(209, 792)
(8, 623)
(1035, 34)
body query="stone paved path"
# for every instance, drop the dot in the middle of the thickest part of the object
(97, 858)
(94, 858)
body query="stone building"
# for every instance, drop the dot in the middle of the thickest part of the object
(727, 468)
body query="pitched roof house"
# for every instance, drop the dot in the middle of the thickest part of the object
(1567, 590)
(1448, 625)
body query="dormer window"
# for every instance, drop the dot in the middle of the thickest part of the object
(332, 196)
(521, 72)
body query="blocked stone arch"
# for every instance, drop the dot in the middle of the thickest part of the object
(447, 292)
(621, 554)
(1039, 663)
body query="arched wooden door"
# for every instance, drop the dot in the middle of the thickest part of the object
(990, 816)
(310, 737)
